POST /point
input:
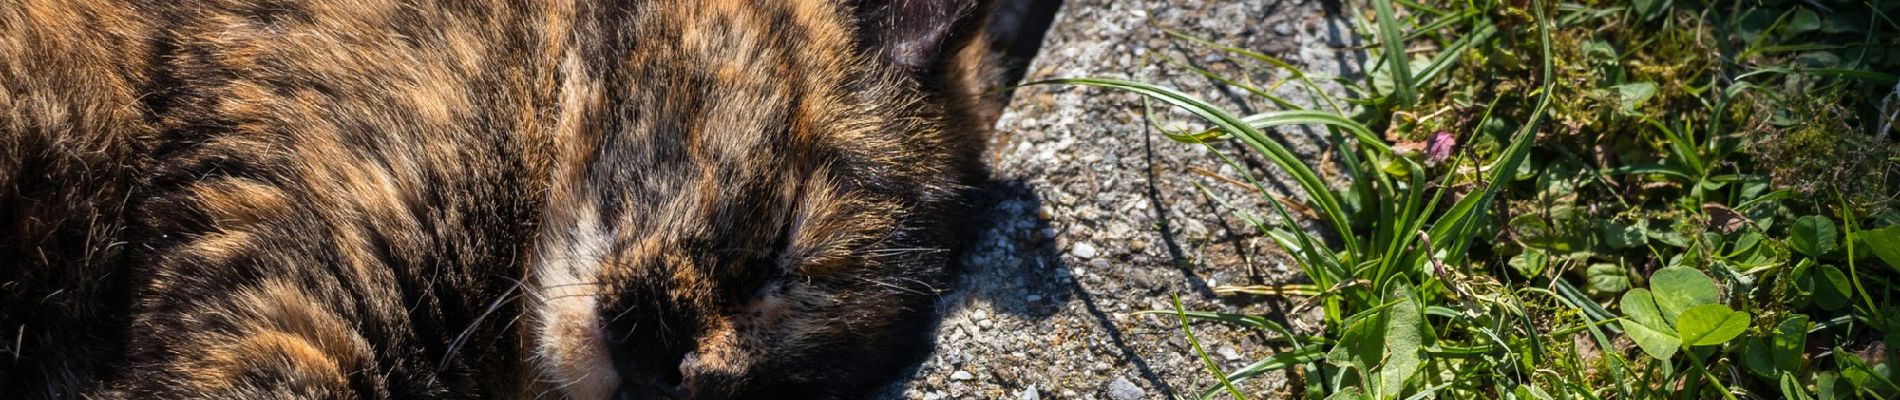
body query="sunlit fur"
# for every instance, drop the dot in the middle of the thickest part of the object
(356, 199)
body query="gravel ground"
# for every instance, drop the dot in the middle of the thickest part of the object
(1096, 217)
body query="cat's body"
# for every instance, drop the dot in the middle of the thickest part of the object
(368, 199)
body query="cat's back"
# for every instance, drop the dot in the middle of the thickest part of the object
(187, 188)
(70, 128)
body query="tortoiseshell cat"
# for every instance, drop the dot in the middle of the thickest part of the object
(357, 199)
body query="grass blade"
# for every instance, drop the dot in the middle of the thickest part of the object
(1209, 361)
(1397, 63)
(1263, 58)
(1328, 204)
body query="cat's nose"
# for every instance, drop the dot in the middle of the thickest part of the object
(652, 382)
(689, 371)
(656, 390)
(673, 391)
(696, 377)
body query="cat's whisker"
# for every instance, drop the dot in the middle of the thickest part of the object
(891, 285)
(456, 344)
(907, 250)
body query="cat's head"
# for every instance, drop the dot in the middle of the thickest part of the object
(753, 199)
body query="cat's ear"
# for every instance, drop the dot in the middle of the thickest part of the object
(919, 34)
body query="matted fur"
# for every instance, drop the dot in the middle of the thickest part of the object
(357, 199)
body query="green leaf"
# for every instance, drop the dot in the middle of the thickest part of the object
(1754, 21)
(1670, 237)
(1607, 279)
(1599, 50)
(1387, 342)
(1646, 327)
(1633, 95)
(1349, 393)
(1530, 263)
(1827, 386)
(1801, 290)
(1679, 288)
(1791, 387)
(1357, 347)
(1842, 22)
(1747, 241)
(1640, 305)
(1658, 343)
(1813, 235)
(1709, 325)
(1751, 251)
(1404, 342)
(1649, 8)
(1550, 236)
(1624, 236)
(1790, 340)
(1883, 242)
(1531, 392)
(1856, 371)
(1832, 290)
(1804, 21)
(1758, 356)
(1558, 180)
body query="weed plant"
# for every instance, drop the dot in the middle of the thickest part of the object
(1592, 199)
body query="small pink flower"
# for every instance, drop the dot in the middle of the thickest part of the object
(1438, 147)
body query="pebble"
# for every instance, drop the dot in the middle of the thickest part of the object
(962, 376)
(1229, 353)
(1122, 389)
(1083, 250)
(1030, 394)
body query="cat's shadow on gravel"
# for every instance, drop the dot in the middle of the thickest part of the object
(1015, 266)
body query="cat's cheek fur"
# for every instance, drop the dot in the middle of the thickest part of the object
(570, 345)
(572, 349)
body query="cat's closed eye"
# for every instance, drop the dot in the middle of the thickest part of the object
(794, 263)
